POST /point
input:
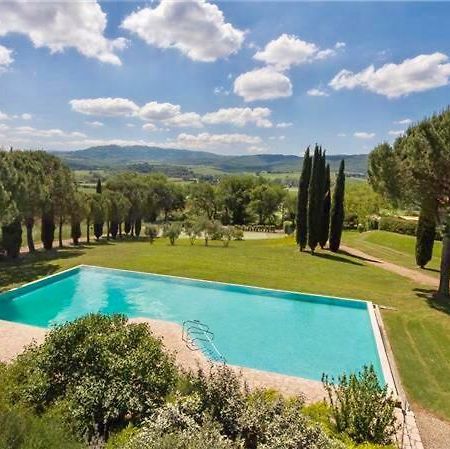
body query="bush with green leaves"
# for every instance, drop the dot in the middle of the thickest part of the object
(227, 235)
(106, 371)
(288, 227)
(172, 232)
(362, 407)
(151, 231)
(398, 225)
(238, 233)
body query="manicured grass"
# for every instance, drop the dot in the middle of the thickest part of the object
(392, 247)
(419, 329)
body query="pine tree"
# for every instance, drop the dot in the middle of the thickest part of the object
(315, 200)
(325, 222)
(302, 202)
(426, 232)
(337, 210)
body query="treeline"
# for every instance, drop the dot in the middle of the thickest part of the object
(318, 220)
(415, 171)
(36, 187)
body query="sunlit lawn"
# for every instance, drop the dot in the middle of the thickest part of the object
(396, 248)
(419, 332)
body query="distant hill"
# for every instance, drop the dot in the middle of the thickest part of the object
(120, 157)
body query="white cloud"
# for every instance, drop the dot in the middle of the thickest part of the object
(130, 125)
(6, 58)
(46, 133)
(212, 141)
(185, 120)
(288, 50)
(26, 116)
(363, 135)
(95, 124)
(105, 107)
(340, 45)
(262, 84)
(61, 25)
(149, 127)
(4, 116)
(284, 124)
(342, 135)
(256, 149)
(396, 133)
(405, 121)
(196, 28)
(317, 93)
(159, 111)
(418, 74)
(240, 117)
(220, 90)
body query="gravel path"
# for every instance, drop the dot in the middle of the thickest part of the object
(414, 275)
(435, 432)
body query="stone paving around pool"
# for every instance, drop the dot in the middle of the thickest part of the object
(14, 337)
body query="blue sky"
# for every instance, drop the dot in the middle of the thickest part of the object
(229, 77)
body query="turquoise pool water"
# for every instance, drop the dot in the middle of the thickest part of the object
(289, 333)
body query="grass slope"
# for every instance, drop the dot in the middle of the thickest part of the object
(392, 247)
(419, 330)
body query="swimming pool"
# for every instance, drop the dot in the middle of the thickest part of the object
(284, 332)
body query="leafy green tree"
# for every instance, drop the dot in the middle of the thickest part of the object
(12, 238)
(202, 199)
(151, 231)
(302, 201)
(235, 194)
(79, 211)
(315, 200)
(337, 209)
(172, 231)
(326, 206)
(266, 200)
(98, 213)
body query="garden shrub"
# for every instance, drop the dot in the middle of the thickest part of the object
(238, 233)
(227, 235)
(350, 220)
(151, 231)
(288, 227)
(361, 407)
(107, 372)
(172, 232)
(398, 225)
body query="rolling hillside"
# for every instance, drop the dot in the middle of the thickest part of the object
(115, 157)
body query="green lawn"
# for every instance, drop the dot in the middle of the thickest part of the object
(419, 331)
(392, 247)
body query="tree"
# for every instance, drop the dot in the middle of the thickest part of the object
(202, 199)
(98, 188)
(78, 212)
(302, 202)
(337, 209)
(426, 232)
(326, 206)
(266, 199)
(234, 193)
(172, 232)
(421, 158)
(98, 212)
(12, 238)
(315, 199)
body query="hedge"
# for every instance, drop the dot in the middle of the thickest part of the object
(398, 225)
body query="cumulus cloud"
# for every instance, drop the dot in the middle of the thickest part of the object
(196, 28)
(363, 135)
(405, 121)
(185, 120)
(288, 50)
(6, 58)
(262, 84)
(26, 116)
(284, 124)
(95, 124)
(417, 74)
(3, 116)
(105, 107)
(149, 127)
(240, 117)
(61, 25)
(159, 111)
(208, 141)
(46, 133)
(317, 93)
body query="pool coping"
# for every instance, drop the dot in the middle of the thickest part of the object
(377, 332)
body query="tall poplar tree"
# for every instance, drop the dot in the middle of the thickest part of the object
(315, 200)
(337, 210)
(326, 206)
(302, 202)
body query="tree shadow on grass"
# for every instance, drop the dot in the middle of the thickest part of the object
(33, 266)
(434, 270)
(336, 258)
(435, 302)
(354, 256)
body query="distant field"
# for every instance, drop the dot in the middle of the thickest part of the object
(392, 247)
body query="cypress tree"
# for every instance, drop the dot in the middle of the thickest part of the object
(75, 231)
(48, 230)
(98, 189)
(12, 238)
(337, 210)
(315, 200)
(98, 222)
(325, 222)
(302, 202)
(426, 232)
